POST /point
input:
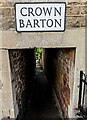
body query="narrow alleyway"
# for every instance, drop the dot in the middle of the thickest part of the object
(42, 104)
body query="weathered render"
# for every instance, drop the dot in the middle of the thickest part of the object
(74, 37)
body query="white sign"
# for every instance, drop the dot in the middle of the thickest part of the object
(40, 16)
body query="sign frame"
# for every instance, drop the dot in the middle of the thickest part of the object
(41, 3)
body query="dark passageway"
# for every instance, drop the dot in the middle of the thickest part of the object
(42, 104)
(37, 93)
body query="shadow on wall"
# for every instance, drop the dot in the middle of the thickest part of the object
(22, 75)
(59, 69)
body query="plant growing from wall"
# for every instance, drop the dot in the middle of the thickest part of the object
(38, 53)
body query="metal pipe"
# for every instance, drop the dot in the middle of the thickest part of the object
(83, 92)
(80, 89)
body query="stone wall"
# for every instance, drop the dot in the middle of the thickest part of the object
(75, 15)
(64, 78)
(7, 16)
(59, 69)
(74, 36)
(22, 70)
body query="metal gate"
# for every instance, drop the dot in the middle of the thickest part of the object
(82, 94)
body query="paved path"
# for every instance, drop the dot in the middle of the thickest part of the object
(42, 105)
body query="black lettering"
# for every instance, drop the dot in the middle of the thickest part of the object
(47, 11)
(49, 23)
(30, 11)
(38, 11)
(29, 24)
(57, 11)
(57, 23)
(21, 23)
(36, 23)
(42, 20)
(21, 11)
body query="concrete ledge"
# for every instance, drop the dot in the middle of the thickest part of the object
(6, 98)
(69, 38)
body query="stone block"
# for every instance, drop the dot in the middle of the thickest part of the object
(13, 11)
(11, 23)
(8, 23)
(0, 12)
(0, 27)
(79, 21)
(2, 4)
(72, 22)
(6, 12)
(83, 21)
(73, 2)
(1, 85)
(9, 4)
(72, 10)
(83, 1)
(63, 77)
(56, 0)
(83, 10)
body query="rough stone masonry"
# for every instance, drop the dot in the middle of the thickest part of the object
(75, 13)
(73, 37)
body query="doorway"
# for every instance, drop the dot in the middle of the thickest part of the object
(46, 88)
